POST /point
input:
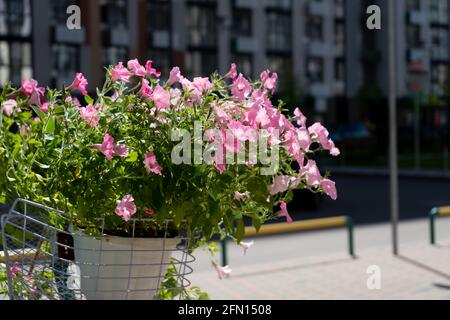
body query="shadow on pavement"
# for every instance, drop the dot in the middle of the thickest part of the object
(424, 267)
(296, 267)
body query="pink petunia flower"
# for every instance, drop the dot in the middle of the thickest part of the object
(299, 117)
(110, 149)
(151, 164)
(245, 246)
(150, 70)
(202, 84)
(312, 173)
(233, 72)
(126, 207)
(284, 213)
(320, 134)
(240, 196)
(9, 106)
(269, 81)
(329, 187)
(79, 83)
(161, 98)
(136, 68)
(119, 72)
(241, 88)
(175, 76)
(145, 91)
(15, 269)
(90, 115)
(30, 86)
(281, 184)
(223, 272)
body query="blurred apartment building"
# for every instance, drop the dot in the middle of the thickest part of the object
(320, 48)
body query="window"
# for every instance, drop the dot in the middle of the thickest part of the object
(15, 61)
(314, 28)
(15, 41)
(314, 70)
(242, 23)
(439, 11)
(413, 36)
(412, 5)
(114, 13)
(439, 77)
(15, 18)
(202, 26)
(279, 31)
(339, 69)
(64, 63)
(161, 61)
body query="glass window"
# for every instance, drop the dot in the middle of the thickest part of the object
(242, 23)
(314, 70)
(202, 26)
(114, 13)
(314, 28)
(199, 63)
(279, 31)
(64, 63)
(15, 18)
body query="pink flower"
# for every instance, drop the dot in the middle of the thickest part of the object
(90, 115)
(281, 184)
(30, 86)
(269, 81)
(312, 173)
(107, 147)
(110, 149)
(151, 164)
(223, 272)
(175, 96)
(145, 90)
(299, 117)
(79, 83)
(126, 207)
(233, 72)
(119, 72)
(175, 76)
(121, 150)
(15, 269)
(240, 196)
(161, 98)
(245, 246)
(284, 213)
(44, 107)
(136, 68)
(202, 84)
(329, 187)
(241, 88)
(9, 106)
(320, 134)
(150, 70)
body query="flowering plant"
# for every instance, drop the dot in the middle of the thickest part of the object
(205, 153)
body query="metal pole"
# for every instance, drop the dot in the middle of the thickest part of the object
(393, 164)
(417, 131)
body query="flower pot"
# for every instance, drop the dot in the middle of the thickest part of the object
(116, 268)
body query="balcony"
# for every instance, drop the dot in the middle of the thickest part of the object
(318, 8)
(319, 90)
(63, 34)
(318, 48)
(416, 17)
(120, 37)
(245, 4)
(161, 39)
(245, 44)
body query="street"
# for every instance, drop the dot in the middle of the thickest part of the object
(366, 198)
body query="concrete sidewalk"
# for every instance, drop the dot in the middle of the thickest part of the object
(316, 266)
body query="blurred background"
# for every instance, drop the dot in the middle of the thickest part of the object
(329, 63)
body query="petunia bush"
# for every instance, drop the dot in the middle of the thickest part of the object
(128, 153)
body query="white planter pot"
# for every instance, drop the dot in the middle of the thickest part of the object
(115, 268)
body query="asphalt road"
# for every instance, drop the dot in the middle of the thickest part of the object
(366, 198)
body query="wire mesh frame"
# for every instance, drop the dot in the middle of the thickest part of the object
(42, 259)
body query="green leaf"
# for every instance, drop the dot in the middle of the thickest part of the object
(240, 231)
(50, 128)
(132, 157)
(88, 99)
(39, 112)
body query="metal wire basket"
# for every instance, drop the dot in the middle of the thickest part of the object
(46, 259)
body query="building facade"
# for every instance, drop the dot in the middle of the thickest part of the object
(319, 48)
